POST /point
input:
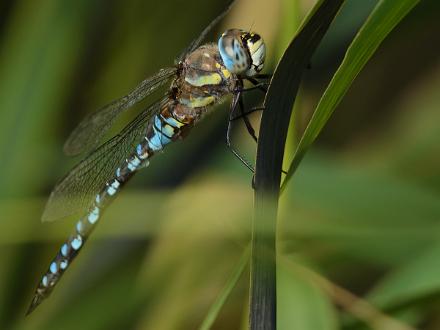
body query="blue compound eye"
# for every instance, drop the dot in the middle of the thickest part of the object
(242, 52)
(234, 54)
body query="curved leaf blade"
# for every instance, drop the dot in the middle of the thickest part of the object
(215, 308)
(385, 16)
(271, 144)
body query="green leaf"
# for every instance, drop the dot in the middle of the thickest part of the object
(352, 213)
(417, 279)
(36, 65)
(301, 305)
(386, 15)
(224, 294)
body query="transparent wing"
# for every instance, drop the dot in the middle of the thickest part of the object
(75, 193)
(196, 42)
(87, 135)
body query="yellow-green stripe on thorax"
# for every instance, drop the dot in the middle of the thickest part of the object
(204, 79)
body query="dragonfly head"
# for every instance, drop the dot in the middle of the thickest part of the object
(242, 52)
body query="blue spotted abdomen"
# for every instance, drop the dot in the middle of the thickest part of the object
(164, 128)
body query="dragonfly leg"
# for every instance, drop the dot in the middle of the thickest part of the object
(246, 121)
(234, 104)
(249, 127)
(246, 113)
(263, 76)
(258, 85)
(262, 86)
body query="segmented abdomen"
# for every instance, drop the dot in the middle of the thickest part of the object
(164, 129)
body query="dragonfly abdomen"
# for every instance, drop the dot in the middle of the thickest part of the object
(83, 229)
(163, 130)
(203, 77)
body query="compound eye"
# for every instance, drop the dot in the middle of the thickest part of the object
(233, 52)
(257, 51)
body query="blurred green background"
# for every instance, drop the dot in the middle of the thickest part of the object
(359, 224)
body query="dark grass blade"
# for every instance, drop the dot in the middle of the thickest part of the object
(273, 132)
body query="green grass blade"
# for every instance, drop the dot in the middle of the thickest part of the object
(415, 280)
(386, 15)
(226, 291)
(302, 304)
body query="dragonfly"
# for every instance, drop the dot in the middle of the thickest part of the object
(203, 75)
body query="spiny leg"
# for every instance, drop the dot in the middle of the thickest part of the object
(246, 113)
(249, 127)
(246, 121)
(257, 84)
(235, 102)
(242, 115)
(263, 76)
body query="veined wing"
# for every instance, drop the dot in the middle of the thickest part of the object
(75, 193)
(196, 42)
(87, 135)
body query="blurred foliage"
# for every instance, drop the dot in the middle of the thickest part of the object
(360, 221)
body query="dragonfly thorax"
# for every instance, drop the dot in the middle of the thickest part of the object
(203, 79)
(242, 52)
